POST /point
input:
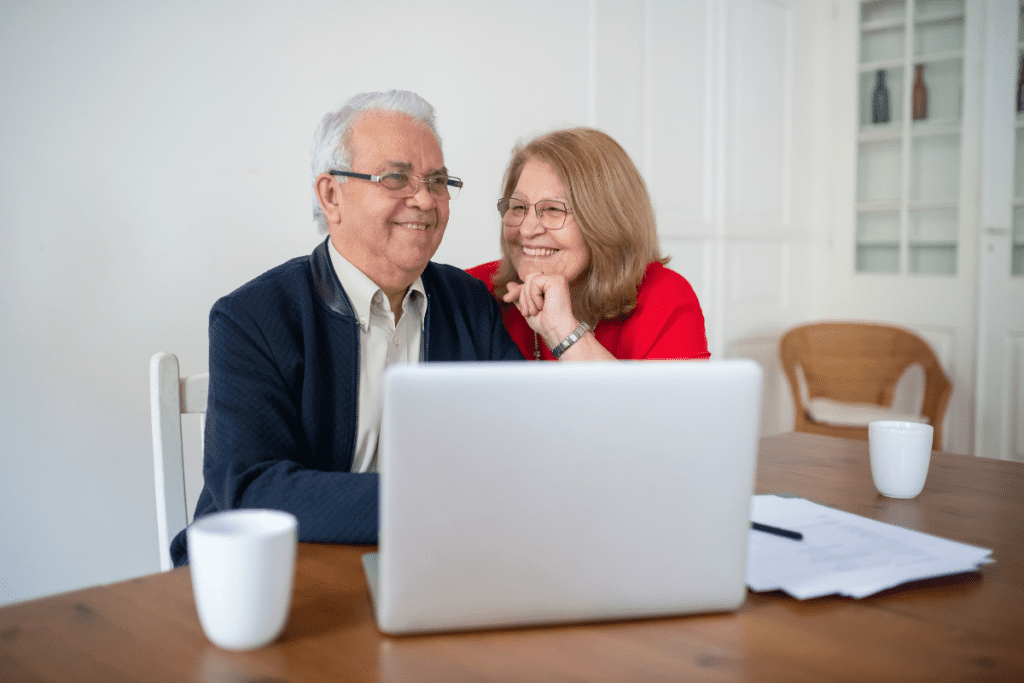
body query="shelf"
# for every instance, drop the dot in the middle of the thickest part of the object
(876, 25)
(880, 132)
(939, 17)
(868, 207)
(928, 127)
(947, 56)
(883, 65)
(932, 244)
(933, 206)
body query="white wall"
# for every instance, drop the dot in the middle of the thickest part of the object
(153, 157)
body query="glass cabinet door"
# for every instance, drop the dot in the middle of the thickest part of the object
(909, 139)
(1017, 265)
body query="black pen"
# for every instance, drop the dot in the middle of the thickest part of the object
(785, 533)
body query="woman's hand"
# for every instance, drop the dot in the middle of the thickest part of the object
(545, 302)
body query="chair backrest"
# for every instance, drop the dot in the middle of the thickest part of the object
(170, 396)
(860, 363)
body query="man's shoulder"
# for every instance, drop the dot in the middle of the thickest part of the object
(456, 291)
(292, 270)
(289, 280)
(466, 320)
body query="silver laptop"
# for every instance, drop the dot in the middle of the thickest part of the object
(515, 494)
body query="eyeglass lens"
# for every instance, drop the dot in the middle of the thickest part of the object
(437, 185)
(551, 213)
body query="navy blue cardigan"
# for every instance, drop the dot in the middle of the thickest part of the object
(284, 378)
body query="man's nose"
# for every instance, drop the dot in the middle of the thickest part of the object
(421, 196)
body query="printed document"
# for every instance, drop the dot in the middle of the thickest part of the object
(843, 553)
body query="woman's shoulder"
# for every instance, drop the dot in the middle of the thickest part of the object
(658, 278)
(485, 272)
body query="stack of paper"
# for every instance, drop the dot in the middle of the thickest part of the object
(844, 553)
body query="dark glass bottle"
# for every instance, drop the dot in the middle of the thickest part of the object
(1020, 87)
(919, 94)
(880, 100)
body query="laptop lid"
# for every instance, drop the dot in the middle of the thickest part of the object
(530, 493)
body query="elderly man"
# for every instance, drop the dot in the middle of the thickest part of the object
(297, 356)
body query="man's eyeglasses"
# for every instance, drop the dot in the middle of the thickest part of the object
(550, 213)
(400, 184)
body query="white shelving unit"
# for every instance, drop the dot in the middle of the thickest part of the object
(908, 171)
(1018, 202)
(1017, 266)
(934, 236)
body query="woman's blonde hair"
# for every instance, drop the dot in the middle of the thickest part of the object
(609, 199)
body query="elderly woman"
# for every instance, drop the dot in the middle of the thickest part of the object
(581, 273)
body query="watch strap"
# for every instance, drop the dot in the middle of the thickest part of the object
(570, 340)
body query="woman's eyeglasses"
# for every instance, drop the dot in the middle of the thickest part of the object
(551, 213)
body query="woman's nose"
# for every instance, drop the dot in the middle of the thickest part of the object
(531, 223)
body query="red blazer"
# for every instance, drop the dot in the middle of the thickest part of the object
(667, 322)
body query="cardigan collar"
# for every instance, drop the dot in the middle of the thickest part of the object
(329, 289)
(326, 283)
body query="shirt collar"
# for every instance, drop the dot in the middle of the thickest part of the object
(361, 289)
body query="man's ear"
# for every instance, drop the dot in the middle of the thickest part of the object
(328, 193)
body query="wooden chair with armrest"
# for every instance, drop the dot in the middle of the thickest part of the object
(171, 396)
(843, 375)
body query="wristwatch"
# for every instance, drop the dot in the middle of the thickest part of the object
(570, 340)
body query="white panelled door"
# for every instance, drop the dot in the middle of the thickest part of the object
(1000, 395)
(719, 102)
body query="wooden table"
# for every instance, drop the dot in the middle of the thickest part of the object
(965, 628)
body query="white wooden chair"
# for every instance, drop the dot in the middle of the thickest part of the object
(170, 396)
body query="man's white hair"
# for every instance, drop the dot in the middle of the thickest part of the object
(331, 150)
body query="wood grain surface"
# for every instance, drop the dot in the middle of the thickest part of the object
(964, 628)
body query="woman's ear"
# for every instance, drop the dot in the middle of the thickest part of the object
(328, 193)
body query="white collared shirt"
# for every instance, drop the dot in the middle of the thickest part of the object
(381, 343)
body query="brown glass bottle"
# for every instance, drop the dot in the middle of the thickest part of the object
(919, 95)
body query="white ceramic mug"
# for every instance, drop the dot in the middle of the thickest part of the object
(243, 568)
(900, 454)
